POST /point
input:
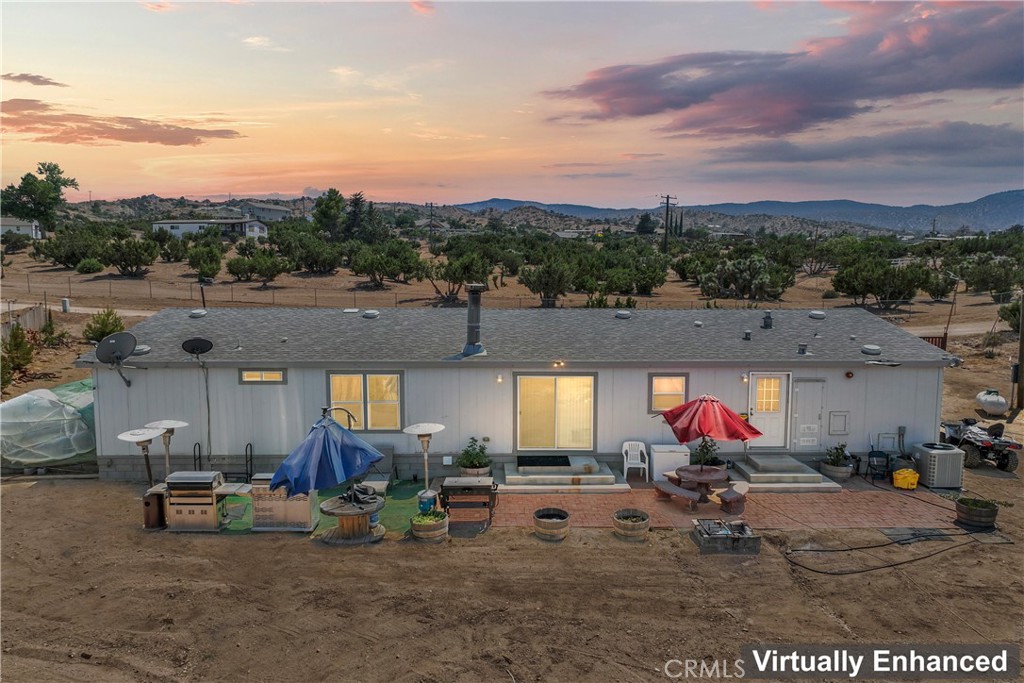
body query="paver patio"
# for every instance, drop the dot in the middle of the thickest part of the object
(846, 509)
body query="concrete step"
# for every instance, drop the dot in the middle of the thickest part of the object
(825, 486)
(774, 462)
(804, 476)
(510, 480)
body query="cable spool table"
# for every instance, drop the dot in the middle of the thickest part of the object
(353, 520)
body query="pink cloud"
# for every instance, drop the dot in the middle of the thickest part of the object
(159, 6)
(422, 6)
(890, 51)
(44, 122)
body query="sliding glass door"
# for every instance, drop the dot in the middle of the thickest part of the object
(555, 412)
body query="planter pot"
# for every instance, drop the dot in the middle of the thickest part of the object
(430, 532)
(475, 471)
(551, 524)
(631, 524)
(981, 518)
(836, 473)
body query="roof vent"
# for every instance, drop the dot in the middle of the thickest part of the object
(871, 350)
(816, 315)
(801, 349)
(623, 315)
(371, 314)
(350, 310)
(698, 323)
(746, 335)
(766, 323)
(197, 313)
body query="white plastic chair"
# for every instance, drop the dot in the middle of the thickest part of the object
(634, 455)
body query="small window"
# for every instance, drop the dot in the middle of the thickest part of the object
(666, 391)
(263, 376)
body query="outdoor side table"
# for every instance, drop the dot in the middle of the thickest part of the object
(469, 492)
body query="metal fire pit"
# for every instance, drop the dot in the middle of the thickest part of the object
(718, 536)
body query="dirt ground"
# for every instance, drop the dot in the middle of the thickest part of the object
(88, 595)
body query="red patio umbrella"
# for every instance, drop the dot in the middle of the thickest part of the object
(706, 416)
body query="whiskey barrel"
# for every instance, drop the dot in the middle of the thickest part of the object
(633, 531)
(978, 517)
(551, 524)
(430, 532)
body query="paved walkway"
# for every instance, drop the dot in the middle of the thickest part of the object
(847, 509)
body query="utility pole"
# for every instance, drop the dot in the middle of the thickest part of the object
(1019, 403)
(430, 221)
(664, 237)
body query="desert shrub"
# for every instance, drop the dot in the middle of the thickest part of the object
(830, 294)
(17, 351)
(103, 324)
(88, 266)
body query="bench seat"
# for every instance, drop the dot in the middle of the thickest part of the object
(666, 490)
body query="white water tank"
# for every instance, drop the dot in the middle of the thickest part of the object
(940, 465)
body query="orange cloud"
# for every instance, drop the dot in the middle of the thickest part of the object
(423, 6)
(44, 122)
(159, 6)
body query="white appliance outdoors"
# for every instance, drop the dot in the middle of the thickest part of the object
(666, 458)
(940, 465)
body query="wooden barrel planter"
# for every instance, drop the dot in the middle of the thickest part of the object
(429, 532)
(631, 524)
(976, 513)
(551, 524)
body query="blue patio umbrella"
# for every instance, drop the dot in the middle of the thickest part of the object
(328, 456)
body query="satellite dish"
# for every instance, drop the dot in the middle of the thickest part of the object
(196, 346)
(114, 348)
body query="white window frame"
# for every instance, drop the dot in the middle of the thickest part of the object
(262, 380)
(651, 376)
(361, 424)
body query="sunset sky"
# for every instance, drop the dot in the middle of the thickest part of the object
(600, 103)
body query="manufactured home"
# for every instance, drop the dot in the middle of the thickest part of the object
(527, 381)
(21, 227)
(245, 227)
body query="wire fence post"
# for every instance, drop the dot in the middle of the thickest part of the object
(69, 286)
(314, 297)
(150, 289)
(28, 281)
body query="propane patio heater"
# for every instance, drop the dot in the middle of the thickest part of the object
(168, 426)
(423, 431)
(142, 437)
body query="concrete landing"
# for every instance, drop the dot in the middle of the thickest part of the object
(511, 480)
(783, 474)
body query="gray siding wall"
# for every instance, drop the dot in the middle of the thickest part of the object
(469, 401)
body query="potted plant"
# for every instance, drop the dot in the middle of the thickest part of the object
(706, 453)
(551, 524)
(474, 461)
(978, 512)
(836, 465)
(430, 526)
(631, 524)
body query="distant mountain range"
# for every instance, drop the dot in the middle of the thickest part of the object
(994, 212)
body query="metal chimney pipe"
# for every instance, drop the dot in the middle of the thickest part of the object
(473, 345)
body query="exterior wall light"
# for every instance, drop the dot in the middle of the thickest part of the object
(745, 377)
(849, 375)
(499, 379)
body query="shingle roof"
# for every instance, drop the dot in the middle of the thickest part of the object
(299, 336)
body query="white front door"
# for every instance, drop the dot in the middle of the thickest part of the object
(769, 408)
(808, 406)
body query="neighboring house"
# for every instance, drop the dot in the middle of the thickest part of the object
(270, 213)
(21, 226)
(246, 227)
(572, 381)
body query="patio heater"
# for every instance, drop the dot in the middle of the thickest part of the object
(143, 437)
(423, 431)
(168, 426)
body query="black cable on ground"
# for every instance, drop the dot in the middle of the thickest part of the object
(890, 565)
